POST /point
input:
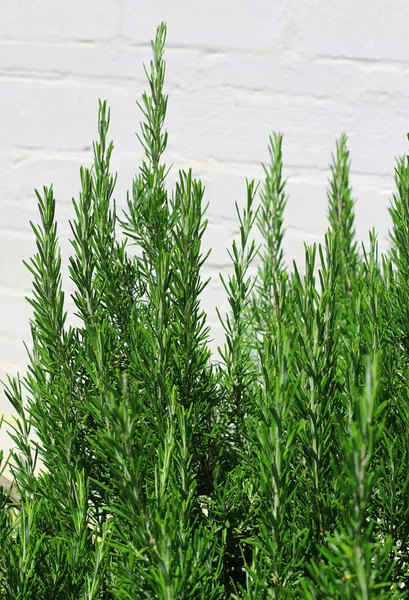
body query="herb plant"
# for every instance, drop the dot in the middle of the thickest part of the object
(280, 470)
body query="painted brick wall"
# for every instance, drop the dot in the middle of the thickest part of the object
(237, 70)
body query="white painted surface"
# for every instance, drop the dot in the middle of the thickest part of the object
(236, 71)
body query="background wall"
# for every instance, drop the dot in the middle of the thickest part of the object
(237, 70)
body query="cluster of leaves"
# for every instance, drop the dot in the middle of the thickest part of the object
(147, 471)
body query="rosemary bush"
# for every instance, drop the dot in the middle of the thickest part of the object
(279, 471)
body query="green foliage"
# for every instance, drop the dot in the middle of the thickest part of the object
(145, 469)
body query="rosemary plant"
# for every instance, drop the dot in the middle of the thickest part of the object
(144, 468)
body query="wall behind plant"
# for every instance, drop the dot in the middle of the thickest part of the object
(237, 70)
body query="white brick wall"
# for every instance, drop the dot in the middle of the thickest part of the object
(237, 70)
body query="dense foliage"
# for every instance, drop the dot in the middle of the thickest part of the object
(280, 471)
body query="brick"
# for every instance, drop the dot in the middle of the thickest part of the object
(14, 247)
(209, 25)
(32, 170)
(58, 115)
(299, 76)
(15, 312)
(55, 21)
(227, 129)
(349, 29)
(97, 61)
(12, 347)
